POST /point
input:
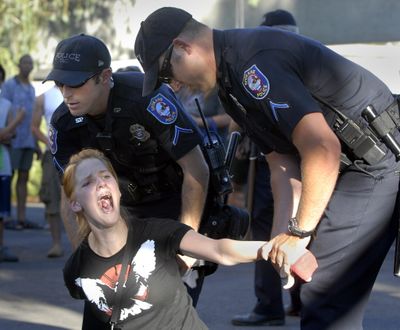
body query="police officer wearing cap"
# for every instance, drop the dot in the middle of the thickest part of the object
(303, 105)
(269, 308)
(151, 142)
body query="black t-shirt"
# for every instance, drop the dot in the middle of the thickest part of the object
(154, 296)
(268, 86)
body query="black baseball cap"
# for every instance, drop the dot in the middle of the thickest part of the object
(155, 35)
(78, 58)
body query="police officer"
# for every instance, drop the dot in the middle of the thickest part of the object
(302, 104)
(150, 141)
(269, 307)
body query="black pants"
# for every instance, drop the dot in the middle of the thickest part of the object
(267, 283)
(352, 240)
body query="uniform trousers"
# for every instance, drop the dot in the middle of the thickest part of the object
(352, 240)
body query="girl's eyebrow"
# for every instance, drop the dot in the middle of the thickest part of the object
(91, 175)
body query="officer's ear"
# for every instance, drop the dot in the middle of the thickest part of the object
(105, 76)
(75, 206)
(182, 44)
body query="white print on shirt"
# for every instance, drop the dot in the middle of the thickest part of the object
(94, 291)
(142, 266)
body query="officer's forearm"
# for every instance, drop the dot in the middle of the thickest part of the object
(194, 187)
(319, 151)
(319, 176)
(193, 200)
(286, 189)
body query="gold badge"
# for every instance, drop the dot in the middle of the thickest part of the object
(139, 133)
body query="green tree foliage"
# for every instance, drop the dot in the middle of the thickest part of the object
(25, 24)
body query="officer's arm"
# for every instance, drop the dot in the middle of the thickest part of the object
(319, 150)
(194, 187)
(286, 189)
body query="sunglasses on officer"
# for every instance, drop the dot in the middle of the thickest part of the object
(165, 75)
(61, 85)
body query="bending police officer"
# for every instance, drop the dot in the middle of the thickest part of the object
(301, 103)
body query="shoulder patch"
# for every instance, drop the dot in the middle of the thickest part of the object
(162, 109)
(52, 139)
(255, 82)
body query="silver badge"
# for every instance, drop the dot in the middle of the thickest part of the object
(139, 133)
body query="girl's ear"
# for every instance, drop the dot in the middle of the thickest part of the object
(75, 206)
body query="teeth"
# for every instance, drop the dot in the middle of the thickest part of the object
(105, 195)
(105, 201)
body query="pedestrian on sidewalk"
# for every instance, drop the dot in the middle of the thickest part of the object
(21, 93)
(50, 189)
(8, 124)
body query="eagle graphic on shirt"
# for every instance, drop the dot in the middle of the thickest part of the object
(137, 275)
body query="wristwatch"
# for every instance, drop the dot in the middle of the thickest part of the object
(296, 231)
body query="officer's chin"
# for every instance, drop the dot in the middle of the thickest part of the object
(76, 112)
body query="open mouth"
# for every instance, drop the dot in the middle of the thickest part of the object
(105, 202)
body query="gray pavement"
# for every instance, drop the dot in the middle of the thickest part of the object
(33, 297)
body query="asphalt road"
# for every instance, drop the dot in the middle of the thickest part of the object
(33, 297)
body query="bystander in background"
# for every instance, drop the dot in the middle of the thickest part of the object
(7, 129)
(20, 92)
(50, 190)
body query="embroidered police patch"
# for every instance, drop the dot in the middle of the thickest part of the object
(52, 139)
(163, 109)
(255, 82)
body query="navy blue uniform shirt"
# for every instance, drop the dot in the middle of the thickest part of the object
(267, 86)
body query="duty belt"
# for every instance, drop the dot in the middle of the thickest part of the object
(367, 144)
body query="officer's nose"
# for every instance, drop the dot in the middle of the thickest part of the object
(66, 91)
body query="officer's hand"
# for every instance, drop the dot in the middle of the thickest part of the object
(185, 263)
(283, 251)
